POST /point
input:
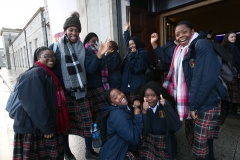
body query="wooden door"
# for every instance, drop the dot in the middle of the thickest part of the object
(143, 24)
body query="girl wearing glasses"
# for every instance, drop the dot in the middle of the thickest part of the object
(43, 118)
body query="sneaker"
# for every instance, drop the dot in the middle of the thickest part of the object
(69, 156)
(91, 155)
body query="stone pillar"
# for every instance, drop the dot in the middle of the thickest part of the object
(98, 17)
(108, 20)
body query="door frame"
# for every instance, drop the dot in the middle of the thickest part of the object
(163, 16)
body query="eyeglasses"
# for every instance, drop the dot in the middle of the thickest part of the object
(47, 57)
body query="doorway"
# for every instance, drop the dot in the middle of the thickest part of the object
(216, 15)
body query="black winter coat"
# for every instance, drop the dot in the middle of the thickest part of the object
(113, 62)
(38, 97)
(235, 51)
(93, 66)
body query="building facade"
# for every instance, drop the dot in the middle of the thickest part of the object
(21, 46)
(8, 36)
(106, 18)
(2, 58)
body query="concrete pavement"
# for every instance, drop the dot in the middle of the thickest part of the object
(227, 147)
(6, 132)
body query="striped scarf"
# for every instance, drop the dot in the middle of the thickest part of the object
(175, 81)
(72, 66)
(104, 72)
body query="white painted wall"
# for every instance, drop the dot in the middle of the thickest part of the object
(124, 4)
(59, 11)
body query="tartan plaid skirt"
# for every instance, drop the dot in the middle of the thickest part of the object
(79, 115)
(153, 147)
(95, 101)
(233, 91)
(131, 156)
(36, 147)
(83, 112)
(205, 127)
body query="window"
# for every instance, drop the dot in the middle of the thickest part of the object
(30, 53)
(36, 43)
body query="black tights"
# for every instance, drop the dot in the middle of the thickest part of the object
(210, 147)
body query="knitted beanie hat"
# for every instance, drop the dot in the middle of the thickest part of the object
(73, 20)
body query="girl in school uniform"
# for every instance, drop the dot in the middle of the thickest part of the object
(160, 122)
(43, 118)
(134, 65)
(123, 124)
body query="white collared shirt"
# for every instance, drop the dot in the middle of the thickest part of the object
(155, 108)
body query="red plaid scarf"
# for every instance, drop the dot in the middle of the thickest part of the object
(104, 72)
(175, 81)
(62, 120)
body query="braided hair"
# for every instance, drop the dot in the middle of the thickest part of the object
(158, 89)
(38, 52)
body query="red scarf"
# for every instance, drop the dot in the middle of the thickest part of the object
(62, 120)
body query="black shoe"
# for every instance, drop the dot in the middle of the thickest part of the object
(69, 156)
(91, 155)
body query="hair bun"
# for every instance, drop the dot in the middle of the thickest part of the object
(75, 14)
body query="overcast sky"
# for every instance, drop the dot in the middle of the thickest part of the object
(16, 13)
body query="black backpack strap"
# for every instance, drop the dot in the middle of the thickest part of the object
(192, 47)
(24, 115)
(193, 51)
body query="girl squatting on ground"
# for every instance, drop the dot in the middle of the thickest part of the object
(160, 122)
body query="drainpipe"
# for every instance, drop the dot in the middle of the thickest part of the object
(13, 58)
(119, 28)
(26, 48)
(45, 28)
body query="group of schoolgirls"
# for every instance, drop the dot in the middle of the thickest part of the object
(145, 133)
(192, 86)
(143, 117)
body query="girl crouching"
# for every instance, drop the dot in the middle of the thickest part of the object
(160, 122)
